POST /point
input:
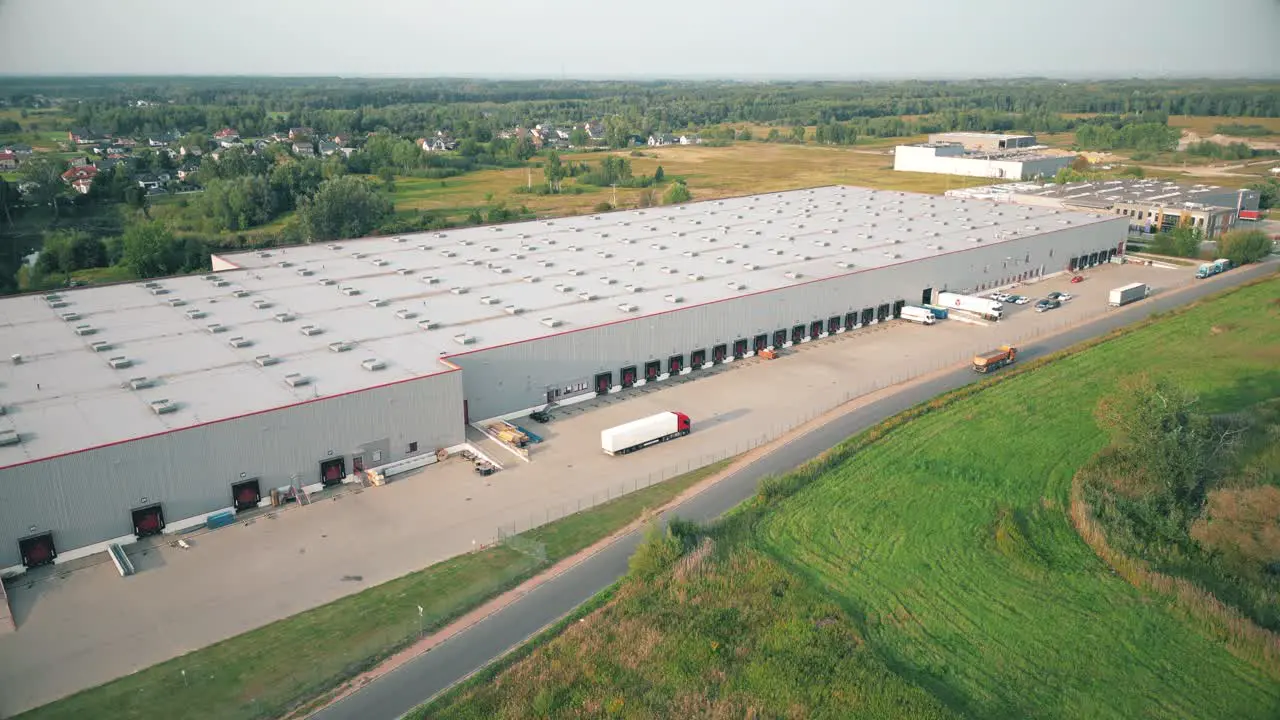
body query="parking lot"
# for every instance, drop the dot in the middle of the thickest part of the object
(78, 629)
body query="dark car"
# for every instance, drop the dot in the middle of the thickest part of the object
(540, 416)
(1055, 295)
(1044, 305)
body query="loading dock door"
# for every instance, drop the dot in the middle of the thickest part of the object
(850, 320)
(37, 550)
(760, 343)
(815, 329)
(246, 494)
(868, 314)
(833, 325)
(1075, 262)
(1093, 259)
(926, 297)
(897, 308)
(604, 381)
(779, 338)
(675, 364)
(333, 470)
(628, 376)
(797, 334)
(148, 520)
(697, 359)
(740, 348)
(719, 353)
(882, 312)
(652, 370)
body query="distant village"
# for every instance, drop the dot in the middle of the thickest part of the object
(97, 152)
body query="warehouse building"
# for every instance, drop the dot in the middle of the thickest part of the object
(142, 408)
(1150, 206)
(951, 158)
(986, 142)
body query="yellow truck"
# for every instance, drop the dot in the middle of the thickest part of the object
(995, 359)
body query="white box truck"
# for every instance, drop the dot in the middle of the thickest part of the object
(983, 307)
(642, 433)
(920, 315)
(1127, 294)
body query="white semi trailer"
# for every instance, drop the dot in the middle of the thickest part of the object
(983, 307)
(644, 432)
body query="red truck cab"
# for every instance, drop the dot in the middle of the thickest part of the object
(682, 423)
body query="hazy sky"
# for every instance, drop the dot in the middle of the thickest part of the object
(607, 38)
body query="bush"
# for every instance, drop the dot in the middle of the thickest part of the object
(657, 554)
(602, 207)
(1243, 247)
(677, 193)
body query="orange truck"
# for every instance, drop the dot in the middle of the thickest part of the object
(995, 359)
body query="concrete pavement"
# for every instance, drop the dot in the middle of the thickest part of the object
(418, 680)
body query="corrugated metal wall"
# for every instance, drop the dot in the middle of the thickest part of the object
(85, 498)
(517, 376)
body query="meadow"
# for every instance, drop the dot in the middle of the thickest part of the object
(928, 569)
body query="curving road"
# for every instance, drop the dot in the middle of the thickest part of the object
(398, 692)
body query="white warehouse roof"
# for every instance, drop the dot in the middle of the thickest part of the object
(359, 300)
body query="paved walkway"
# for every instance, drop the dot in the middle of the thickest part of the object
(82, 628)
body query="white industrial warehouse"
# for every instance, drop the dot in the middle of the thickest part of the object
(145, 407)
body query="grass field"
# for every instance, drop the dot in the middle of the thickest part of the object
(711, 172)
(1205, 126)
(265, 672)
(942, 553)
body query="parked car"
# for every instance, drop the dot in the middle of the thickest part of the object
(1018, 299)
(540, 416)
(1044, 305)
(1055, 295)
(1000, 296)
(1077, 278)
(1065, 296)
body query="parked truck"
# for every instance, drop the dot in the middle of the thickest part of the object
(982, 307)
(995, 359)
(1127, 294)
(1210, 269)
(939, 313)
(914, 314)
(642, 433)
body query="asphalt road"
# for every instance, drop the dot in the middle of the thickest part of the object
(398, 692)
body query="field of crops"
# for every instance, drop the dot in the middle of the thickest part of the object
(939, 559)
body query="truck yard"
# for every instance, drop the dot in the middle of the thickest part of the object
(62, 646)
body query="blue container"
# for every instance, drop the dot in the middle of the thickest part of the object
(222, 519)
(938, 312)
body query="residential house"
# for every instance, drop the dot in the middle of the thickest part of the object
(8, 160)
(85, 136)
(80, 178)
(326, 148)
(661, 139)
(192, 150)
(154, 181)
(126, 142)
(226, 133)
(75, 162)
(106, 165)
(690, 140)
(303, 149)
(186, 170)
(156, 142)
(442, 142)
(261, 144)
(19, 149)
(278, 137)
(595, 130)
(230, 142)
(301, 132)
(342, 140)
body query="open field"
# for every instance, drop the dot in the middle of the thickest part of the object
(265, 672)
(1204, 125)
(941, 551)
(711, 172)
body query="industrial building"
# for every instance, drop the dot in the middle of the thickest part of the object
(952, 158)
(986, 142)
(145, 407)
(1149, 205)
